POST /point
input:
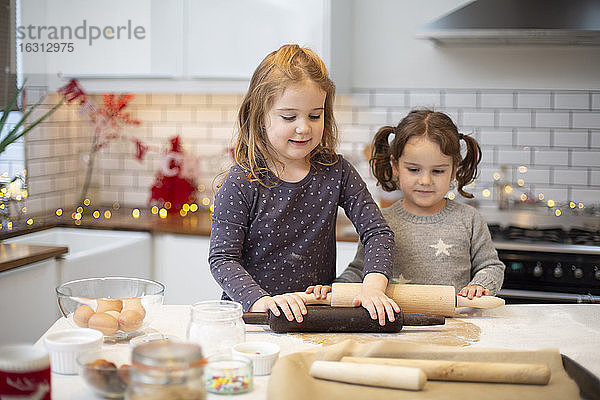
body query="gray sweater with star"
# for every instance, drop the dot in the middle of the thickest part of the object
(452, 247)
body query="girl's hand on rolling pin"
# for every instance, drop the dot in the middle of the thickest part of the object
(372, 297)
(474, 291)
(320, 291)
(291, 304)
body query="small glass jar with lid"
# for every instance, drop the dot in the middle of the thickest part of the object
(166, 370)
(216, 325)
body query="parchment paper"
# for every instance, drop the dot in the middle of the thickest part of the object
(290, 379)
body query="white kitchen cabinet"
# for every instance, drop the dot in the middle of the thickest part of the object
(181, 264)
(207, 46)
(28, 301)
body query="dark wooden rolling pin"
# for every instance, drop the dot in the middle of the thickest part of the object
(339, 319)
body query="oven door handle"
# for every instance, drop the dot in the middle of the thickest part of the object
(551, 296)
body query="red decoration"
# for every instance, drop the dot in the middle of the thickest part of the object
(170, 184)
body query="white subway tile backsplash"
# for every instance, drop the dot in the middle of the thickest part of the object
(344, 117)
(595, 101)
(353, 100)
(115, 179)
(425, 99)
(595, 141)
(587, 196)
(390, 100)
(360, 134)
(588, 120)
(160, 99)
(194, 99)
(497, 100)
(552, 133)
(373, 117)
(585, 158)
(571, 138)
(595, 178)
(534, 175)
(514, 119)
(550, 157)
(474, 118)
(552, 193)
(209, 115)
(533, 138)
(570, 176)
(396, 115)
(493, 137)
(181, 114)
(533, 100)
(460, 100)
(514, 157)
(546, 119)
(234, 100)
(572, 101)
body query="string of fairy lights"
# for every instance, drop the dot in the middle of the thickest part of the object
(14, 211)
(13, 196)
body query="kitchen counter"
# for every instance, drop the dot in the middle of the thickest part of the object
(574, 329)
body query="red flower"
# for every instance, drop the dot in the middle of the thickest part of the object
(72, 91)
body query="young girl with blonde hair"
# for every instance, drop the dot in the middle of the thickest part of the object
(273, 225)
(438, 241)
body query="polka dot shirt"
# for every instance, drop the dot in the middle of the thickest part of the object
(269, 241)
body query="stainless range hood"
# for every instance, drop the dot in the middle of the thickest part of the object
(540, 22)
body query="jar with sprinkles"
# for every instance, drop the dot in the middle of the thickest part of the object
(225, 374)
(166, 370)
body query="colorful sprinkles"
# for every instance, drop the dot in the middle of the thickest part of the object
(229, 384)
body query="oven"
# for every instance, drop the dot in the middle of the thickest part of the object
(548, 265)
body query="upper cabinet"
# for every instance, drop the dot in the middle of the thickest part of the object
(181, 45)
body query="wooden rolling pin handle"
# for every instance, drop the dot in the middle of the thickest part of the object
(310, 299)
(467, 371)
(370, 375)
(479, 302)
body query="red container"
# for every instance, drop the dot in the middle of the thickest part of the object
(25, 372)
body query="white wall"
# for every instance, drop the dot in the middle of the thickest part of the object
(386, 55)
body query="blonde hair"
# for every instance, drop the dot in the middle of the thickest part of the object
(289, 65)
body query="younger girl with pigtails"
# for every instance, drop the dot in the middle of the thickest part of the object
(437, 241)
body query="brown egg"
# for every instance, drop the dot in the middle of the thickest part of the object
(109, 305)
(130, 320)
(113, 313)
(82, 315)
(104, 323)
(134, 304)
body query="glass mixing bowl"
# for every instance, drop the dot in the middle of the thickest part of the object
(119, 307)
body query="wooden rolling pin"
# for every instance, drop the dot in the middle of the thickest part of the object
(372, 375)
(339, 319)
(467, 371)
(412, 299)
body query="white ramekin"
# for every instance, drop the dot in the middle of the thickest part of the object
(262, 354)
(64, 347)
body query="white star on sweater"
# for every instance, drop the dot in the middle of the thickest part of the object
(441, 247)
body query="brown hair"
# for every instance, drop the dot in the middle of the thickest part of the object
(438, 128)
(289, 65)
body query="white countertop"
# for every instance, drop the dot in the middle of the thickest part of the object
(572, 328)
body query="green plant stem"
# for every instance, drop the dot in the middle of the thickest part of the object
(88, 173)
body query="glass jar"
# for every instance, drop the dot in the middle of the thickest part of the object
(166, 370)
(216, 325)
(226, 374)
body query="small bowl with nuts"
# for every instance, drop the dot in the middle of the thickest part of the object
(106, 371)
(119, 307)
